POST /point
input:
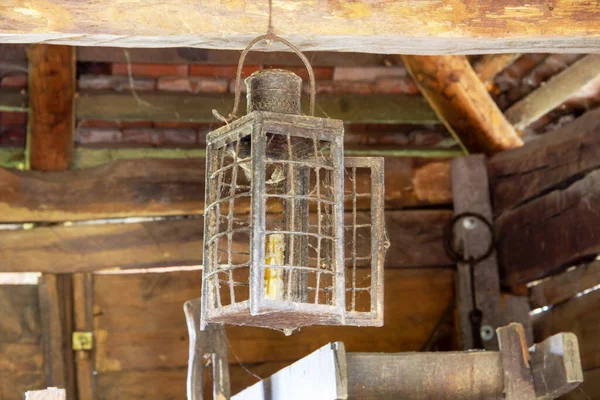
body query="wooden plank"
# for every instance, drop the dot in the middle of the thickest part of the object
(164, 243)
(19, 314)
(589, 389)
(562, 287)
(439, 375)
(186, 107)
(491, 65)
(545, 234)
(470, 195)
(554, 161)
(413, 28)
(163, 187)
(52, 332)
(13, 100)
(554, 92)
(83, 307)
(518, 378)
(149, 314)
(462, 102)
(319, 375)
(556, 366)
(581, 317)
(189, 55)
(51, 121)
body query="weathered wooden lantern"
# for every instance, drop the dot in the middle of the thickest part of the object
(278, 250)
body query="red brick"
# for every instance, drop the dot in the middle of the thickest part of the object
(321, 73)
(342, 87)
(178, 124)
(155, 70)
(180, 136)
(98, 135)
(146, 136)
(195, 84)
(18, 81)
(367, 73)
(395, 86)
(13, 118)
(222, 71)
(135, 124)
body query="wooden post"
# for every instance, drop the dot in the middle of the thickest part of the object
(51, 93)
(462, 102)
(83, 304)
(518, 379)
(50, 148)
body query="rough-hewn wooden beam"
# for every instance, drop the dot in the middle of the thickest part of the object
(198, 108)
(554, 92)
(51, 116)
(520, 175)
(63, 249)
(462, 102)
(462, 26)
(162, 187)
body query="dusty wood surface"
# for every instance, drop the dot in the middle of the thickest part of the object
(52, 332)
(149, 314)
(51, 119)
(81, 248)
(518, 378)
(156, 106)
(83, 310)
(21, 363)
(554, 92)
(436, 375)
(320, 375)
(410, 28)
(47, 394)
(462, 102)
(589, 389)
(491, 65)
(556, 372)
(161, 187)
(579, 316)
(562, 287)
(470, 194)
(553, 161)
(549, 232)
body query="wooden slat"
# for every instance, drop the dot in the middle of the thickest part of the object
(81, 248)
(462, 26)
(559, 288)
(554, 92)
(12, 100)
(518, 378)
(462, 102)
(580, 316)
(553, 161)
(383, 109)
(162, 187)
(83, 319)
(51, 120)
(550, 232)
(589, 389)
(47, 394)
(148, 313)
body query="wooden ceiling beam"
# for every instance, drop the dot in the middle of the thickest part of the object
(462, 102)
(370, 26)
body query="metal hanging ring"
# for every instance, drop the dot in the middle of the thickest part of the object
(449, 239)
(273, 37)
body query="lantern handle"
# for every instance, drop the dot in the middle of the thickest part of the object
(273, 37)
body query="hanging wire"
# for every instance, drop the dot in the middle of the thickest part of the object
(269, 37)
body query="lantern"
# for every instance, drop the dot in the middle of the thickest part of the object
(279, 252)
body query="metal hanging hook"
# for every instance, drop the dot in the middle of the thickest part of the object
(268, 37)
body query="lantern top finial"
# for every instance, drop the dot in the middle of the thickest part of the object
(274, 90)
